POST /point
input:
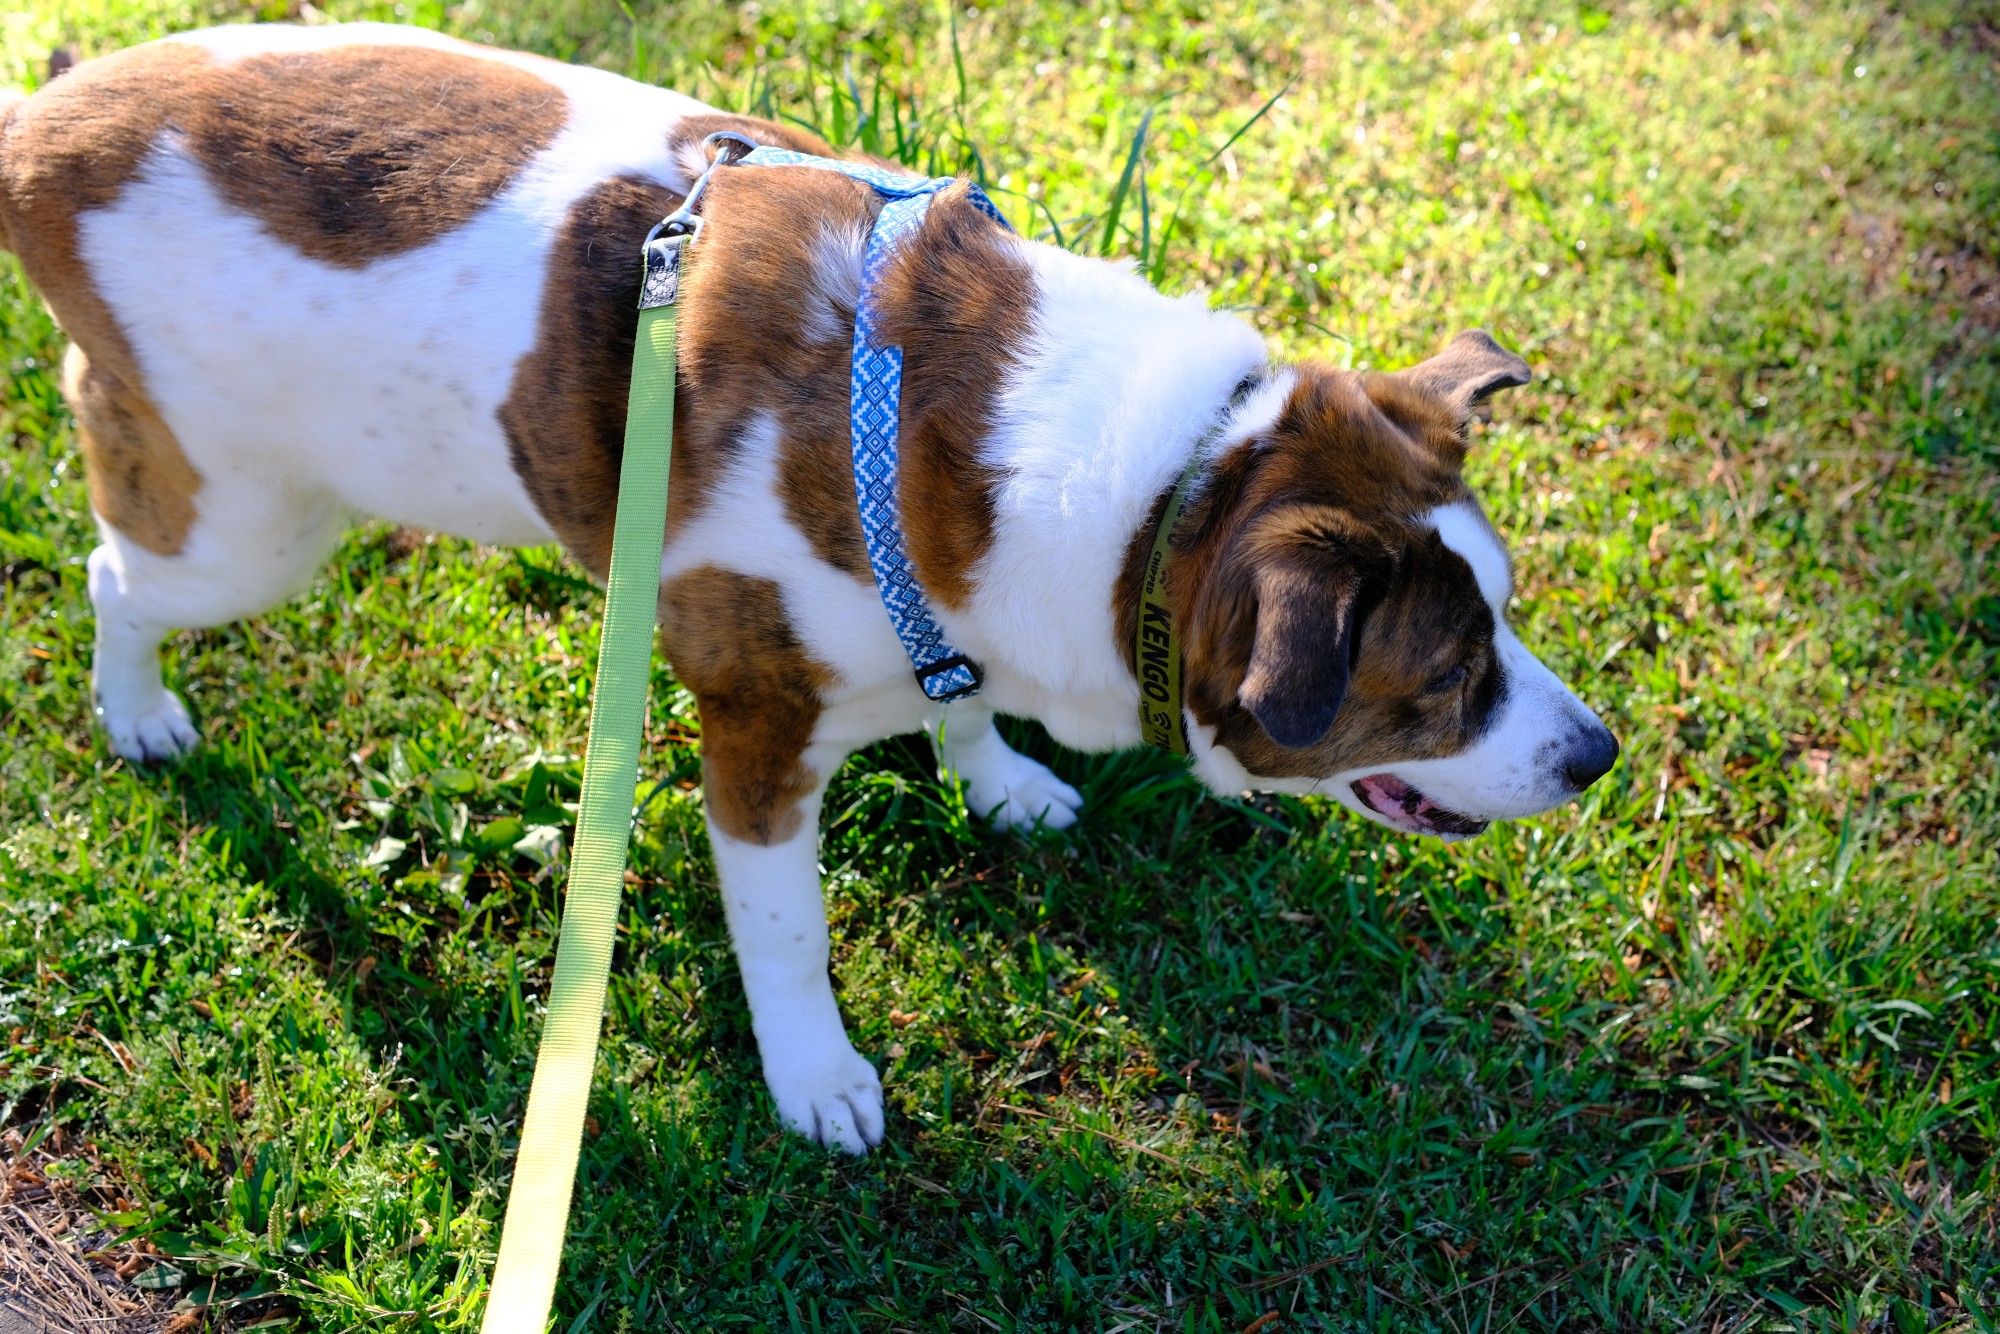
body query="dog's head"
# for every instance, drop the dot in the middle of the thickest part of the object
(1345, 601)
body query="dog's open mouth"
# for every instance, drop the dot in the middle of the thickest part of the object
(1406, 808)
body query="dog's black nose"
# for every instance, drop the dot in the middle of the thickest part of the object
(1590, 758)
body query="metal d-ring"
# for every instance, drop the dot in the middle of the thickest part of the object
(729, 147)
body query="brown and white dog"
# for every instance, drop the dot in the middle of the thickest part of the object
(316, 273)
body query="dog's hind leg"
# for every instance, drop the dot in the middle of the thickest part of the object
(1005, 786)
(179, 551)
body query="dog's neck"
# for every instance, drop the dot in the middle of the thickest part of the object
(1098, 416)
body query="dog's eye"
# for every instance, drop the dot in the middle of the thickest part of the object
(1450, 680)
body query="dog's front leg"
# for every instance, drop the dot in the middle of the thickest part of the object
(1001, 784)
(771, 892)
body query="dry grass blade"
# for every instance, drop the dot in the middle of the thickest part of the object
(58, 1270)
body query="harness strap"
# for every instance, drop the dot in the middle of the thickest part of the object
(875, 406)
(882, 180)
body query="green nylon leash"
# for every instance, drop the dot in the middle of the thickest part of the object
(531, 1238)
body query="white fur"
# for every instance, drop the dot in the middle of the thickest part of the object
(835, 289)
(1515, 767)
(1466, 530)
(1001, 784)
(823, 1087)
(1113, 388)
(305, 394)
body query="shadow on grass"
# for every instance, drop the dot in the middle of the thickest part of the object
(250, 818)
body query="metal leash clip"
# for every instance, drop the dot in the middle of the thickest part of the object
(680, 229)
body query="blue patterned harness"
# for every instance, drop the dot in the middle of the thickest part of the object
(875, 418)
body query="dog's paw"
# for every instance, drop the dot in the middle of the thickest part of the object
(836, 1102)
(158, 730)
(1019, 793)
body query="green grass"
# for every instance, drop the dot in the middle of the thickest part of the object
(1719, 1048)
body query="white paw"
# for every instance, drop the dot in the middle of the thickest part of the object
(1019, 793)
(833, 1098)
(157, 730)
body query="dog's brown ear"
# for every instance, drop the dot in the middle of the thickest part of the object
(1307, 583)
(1468, 371)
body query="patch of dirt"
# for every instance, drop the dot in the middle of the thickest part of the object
(1966, 277)
(59, 1269)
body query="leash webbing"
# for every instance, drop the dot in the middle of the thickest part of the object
(531, 1238)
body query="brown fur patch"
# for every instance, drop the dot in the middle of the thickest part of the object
(1327, 502)
(69, 149)
(141, 483)
(355, 153)
(753, 340)
(759, 691)
(766, 328)
(565, 411)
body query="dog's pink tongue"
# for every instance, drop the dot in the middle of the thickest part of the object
(1387, 793)
(1407, 808)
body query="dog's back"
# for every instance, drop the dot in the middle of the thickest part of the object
(313, 273)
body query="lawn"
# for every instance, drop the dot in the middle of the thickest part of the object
(1718, 1048)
